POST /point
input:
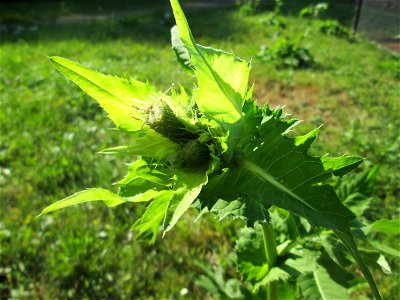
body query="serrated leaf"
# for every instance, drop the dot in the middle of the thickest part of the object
(148, 225)
(218, 73)
(144, 176)
(223, 209)
(186, 189)
(246, 208)
(89, 195)
(119, 97)
(146, 181)
(299, 262)
(222, 81)
(277, 170)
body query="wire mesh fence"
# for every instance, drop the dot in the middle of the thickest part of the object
(380, 19)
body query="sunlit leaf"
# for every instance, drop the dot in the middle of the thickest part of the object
(89, 195)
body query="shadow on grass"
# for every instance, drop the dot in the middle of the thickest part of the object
(141, 25)
(102, 21)
(343, 11)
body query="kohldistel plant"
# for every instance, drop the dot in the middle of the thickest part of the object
(284, 52)
(216, 146)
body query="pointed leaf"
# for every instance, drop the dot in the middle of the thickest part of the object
(277, 170)
(144, 176)
(391, 227)
(222, 78)
(148, 225)
(95, 194)
(348, 241)
(121, 98)
(187, 187)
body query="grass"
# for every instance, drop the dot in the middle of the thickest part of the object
(51, 131)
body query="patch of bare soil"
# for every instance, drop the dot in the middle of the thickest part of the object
(395, 46)
(302, 101)
(314, 106)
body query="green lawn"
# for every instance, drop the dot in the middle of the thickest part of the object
(51, 132)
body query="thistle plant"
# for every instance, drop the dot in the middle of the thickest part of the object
(215, 149)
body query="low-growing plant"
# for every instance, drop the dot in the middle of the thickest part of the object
(310, 263)
(215, 150)
(333, 28)
(275, 18)
(285, 53)
(314, 10)
(248, 7)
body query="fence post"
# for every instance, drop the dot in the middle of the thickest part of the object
(357, 19)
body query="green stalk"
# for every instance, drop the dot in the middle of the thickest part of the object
(272, 256)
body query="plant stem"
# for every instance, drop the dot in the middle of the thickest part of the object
(272, 256)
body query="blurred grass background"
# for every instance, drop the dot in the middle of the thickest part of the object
(51, 132)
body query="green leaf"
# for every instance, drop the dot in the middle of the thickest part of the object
(277, 170)
(186, 189)
(246, 208)
(385, 249)
(149, 144)
(391, 227)
(219, 288)
(319, 285)
(148, 225)
(169, 205)
(336, 250)
(358, 203)
(223, 209)
(299, 262)
(146, 181)
(121, 98)
(356, 190)
(251, 257)
(385, 226)
(95, 194)
(143, 177)
(252, 262)
(376, 260)
(222, 79)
